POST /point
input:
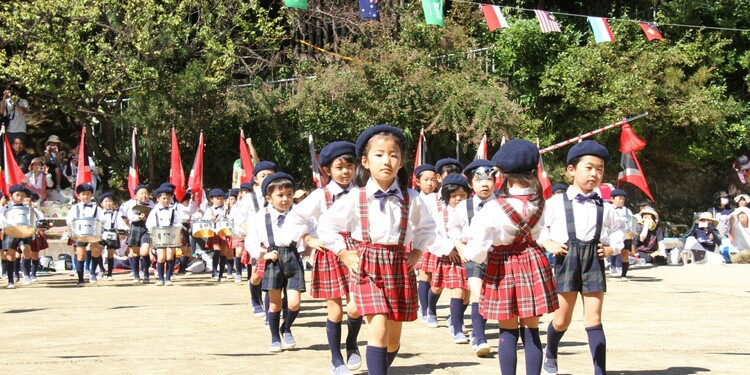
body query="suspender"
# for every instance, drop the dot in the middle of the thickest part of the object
(78, 210)
(365, 219)
(171, 219)
(328, 196)
(269, 231)
(524, 226)
(571, 224)
(255, 200)
(470, 209)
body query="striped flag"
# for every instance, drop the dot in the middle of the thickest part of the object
(176, 173)
(420, 157)
(195, 181)
(83, 175)
(315, 166)
(482, 149)
(494, 17)
(602, 31)
(247, 161)
(547, 21)
(652, 32)
(544, 179)
(631, 168)
(13, 175)
(133, 179)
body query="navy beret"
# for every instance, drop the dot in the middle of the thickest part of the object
(274, 177)
(424, 168)
(16, 188)
(448, 161)
(139, 187)
(618, 193)
(476, 164)
(104, 195)
(216, 193)
(558, 187)
(456, 179)
(168, 185)
(264, 166)
(584, 148)
(163, 190)
(516, 156)
(368, 133)
(84, 187)
(233, 192)
(333, 150)
(34, 195)
(247, 186)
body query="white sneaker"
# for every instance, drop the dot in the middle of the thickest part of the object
(159, 283)
(26, 280)
(10, 286)
(168, 283)
(624, 278)
(110, 278)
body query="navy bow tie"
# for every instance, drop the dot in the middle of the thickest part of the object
(280, 220)
(591, 196)
(381, 195)
(88, 205)
(339, 195)
(480, 205)
(163, 208)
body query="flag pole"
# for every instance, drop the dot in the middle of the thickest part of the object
(591, 133)
(458, 147)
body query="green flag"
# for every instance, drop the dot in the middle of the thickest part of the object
(301, 4)
(433, 12)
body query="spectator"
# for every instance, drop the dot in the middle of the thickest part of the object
(705, 232)
(38, 179)
(742, 200)
(14, 110)
(737, 179)
(299, 196)
(721, 211)
(22, 157)
(54, 158)
(739, 235)
(648, 236)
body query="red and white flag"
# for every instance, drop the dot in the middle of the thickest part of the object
(13, 175)
(315, 165)
(195, 182)
(482, 149)
(631, 168)
(83, 175)
(547, 21)
(176, 173)
(419, 157)
(133, 179)
(247, 161)
(651, 30)
(544, 179)
(494, 17)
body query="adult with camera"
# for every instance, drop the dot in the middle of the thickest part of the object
(14, 110)
(54, 158)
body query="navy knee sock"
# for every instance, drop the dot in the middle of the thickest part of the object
(553, 340)
(423, 291)
(222, 266)
(625, 267)
(376, 360)
(255, 294)
(598, 347)
(612, 262)
(289, 319)
(230, 267)
(215, 263)
(532, 349)
(457, 316)
(184, 263)
(79, 270)
(432, 301)
(238, 266)
(94, 264)
(273, 323)
(333, 331)
(34, 267)
(26, 267)
(17, 268)
(506, 351)
(160, 270)
(145, 264)
(11, 271)
(352, 327)
(477, 324)
(135, 265)
(170, 269)
(284, 307)
(391, 356)
(110, 266)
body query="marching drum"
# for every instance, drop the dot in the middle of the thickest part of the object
(631, 225)
(85, 229)
(223, 227)
(202, 228)
(162, 237)
(18, 222)
(110, 235)
(238, 230)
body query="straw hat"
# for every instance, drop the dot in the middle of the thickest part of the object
(707, 216)
(53, 138)
(299, 194)
(650, 210)
(742, 196)
(37, 160)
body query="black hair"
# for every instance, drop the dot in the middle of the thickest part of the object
(449, 168)
(717, 199)
(348, 158)
(530, 177)
(574, 162)
(362, 174)
(186, 197)
(280, 183)
(449, 189)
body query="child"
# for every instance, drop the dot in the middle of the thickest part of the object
(230, 204)
(481, 176)
(218, 243)
(164, 215)
(426, 185)
(109, 223)
(646, 244)
(138, 240)
(283, 266)
(185, 210)
(624, 215)
(518, 287)
(37, 178)
(449, 270)
(330, 277)
(384, 285)
(580, 231)
(84, 208)
(10, 244)
(39, 242)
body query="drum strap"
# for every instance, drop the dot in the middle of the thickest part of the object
(269, 231)
(171, 219)
(469, 209)
(255, 201)
(78, 210)
(111, 220)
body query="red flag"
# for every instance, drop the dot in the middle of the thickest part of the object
(494, 17)
(83, 175)
(631, 168)
(629, 142)
(315, 166)
(482, 149)
(543, 179)
(133, 180)
(176, 173)
(652, 32)
(418, 158)
(247, 161)
(195, 182)
(13, 173)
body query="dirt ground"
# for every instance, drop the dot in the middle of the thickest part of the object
(666, 320)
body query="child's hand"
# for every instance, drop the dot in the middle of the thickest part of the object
(555, 248)
(272, 256)
(604, 251)
(350, 259)
(142, 216)
(454, 256)
(460, 250)
(213, 217)
(413, 258)
(314, 243)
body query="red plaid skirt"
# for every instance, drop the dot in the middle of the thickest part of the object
(427, 262)
(385, 285)
(218, 240)
(260, 267)
(518, 283)
(330, 276)
(39, 242)
(235, 242)
(245, 258)
(449, 274)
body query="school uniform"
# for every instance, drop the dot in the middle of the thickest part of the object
(80, 210)
(163, 217)
(221, 214)
(384, 224)
(109, 224)
(39, 241)
(138, 231)
(518, 281)
(448, 273)
(458, 229)
(436, 208)
(581, 221)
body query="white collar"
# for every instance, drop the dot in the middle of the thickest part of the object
(334, 188)
(520, 191)
(573, 192)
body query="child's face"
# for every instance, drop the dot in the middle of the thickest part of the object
(231, 201)
(427, 181)
(164, 199)
(383, 158)
(281, 198)
(85, 196)
(217, 201)
(456, 197)
(742, 203)
(588, 173)
(262, 176)
(141, 196)
(107, 203)
(483, 187)
(242, 193)
(618, 201)
(441, 176)
(341, 171)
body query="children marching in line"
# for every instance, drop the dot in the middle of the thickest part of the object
(109, 223)
(164, 215)
(85, 208)
(138, 240)
(427, 184)
(18, 193)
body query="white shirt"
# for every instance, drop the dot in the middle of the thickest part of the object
(84, 210)
(122, 212)
(220, 213)
(344, 216)
(303, 216)
(555, 227)
(163, 217)
(134, 217)
(109, 217)
(256, 241)
(39, 180)
(17, 120)
(492, 227)
(458, 226)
